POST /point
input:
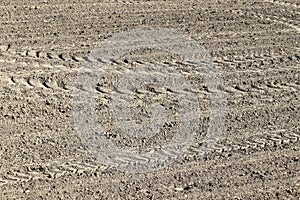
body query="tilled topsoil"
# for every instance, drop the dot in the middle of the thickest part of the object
(254, 47)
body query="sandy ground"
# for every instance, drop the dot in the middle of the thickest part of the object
(253, 44)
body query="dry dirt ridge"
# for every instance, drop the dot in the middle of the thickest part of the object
(254, 45)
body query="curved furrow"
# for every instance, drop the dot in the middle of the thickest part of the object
(31, 172)
(56, 170)
(134, 12)
(234, 118)
(67, 56)
(250, 85)
(264, 57)
(285, 3)
(187, 168)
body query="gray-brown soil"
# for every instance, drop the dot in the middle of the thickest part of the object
(254, 45)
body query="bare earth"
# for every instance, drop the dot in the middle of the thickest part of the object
(254, 45)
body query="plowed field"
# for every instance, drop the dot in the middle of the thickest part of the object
(253, 45)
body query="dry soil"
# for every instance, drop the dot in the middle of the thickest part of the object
(254, 45)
